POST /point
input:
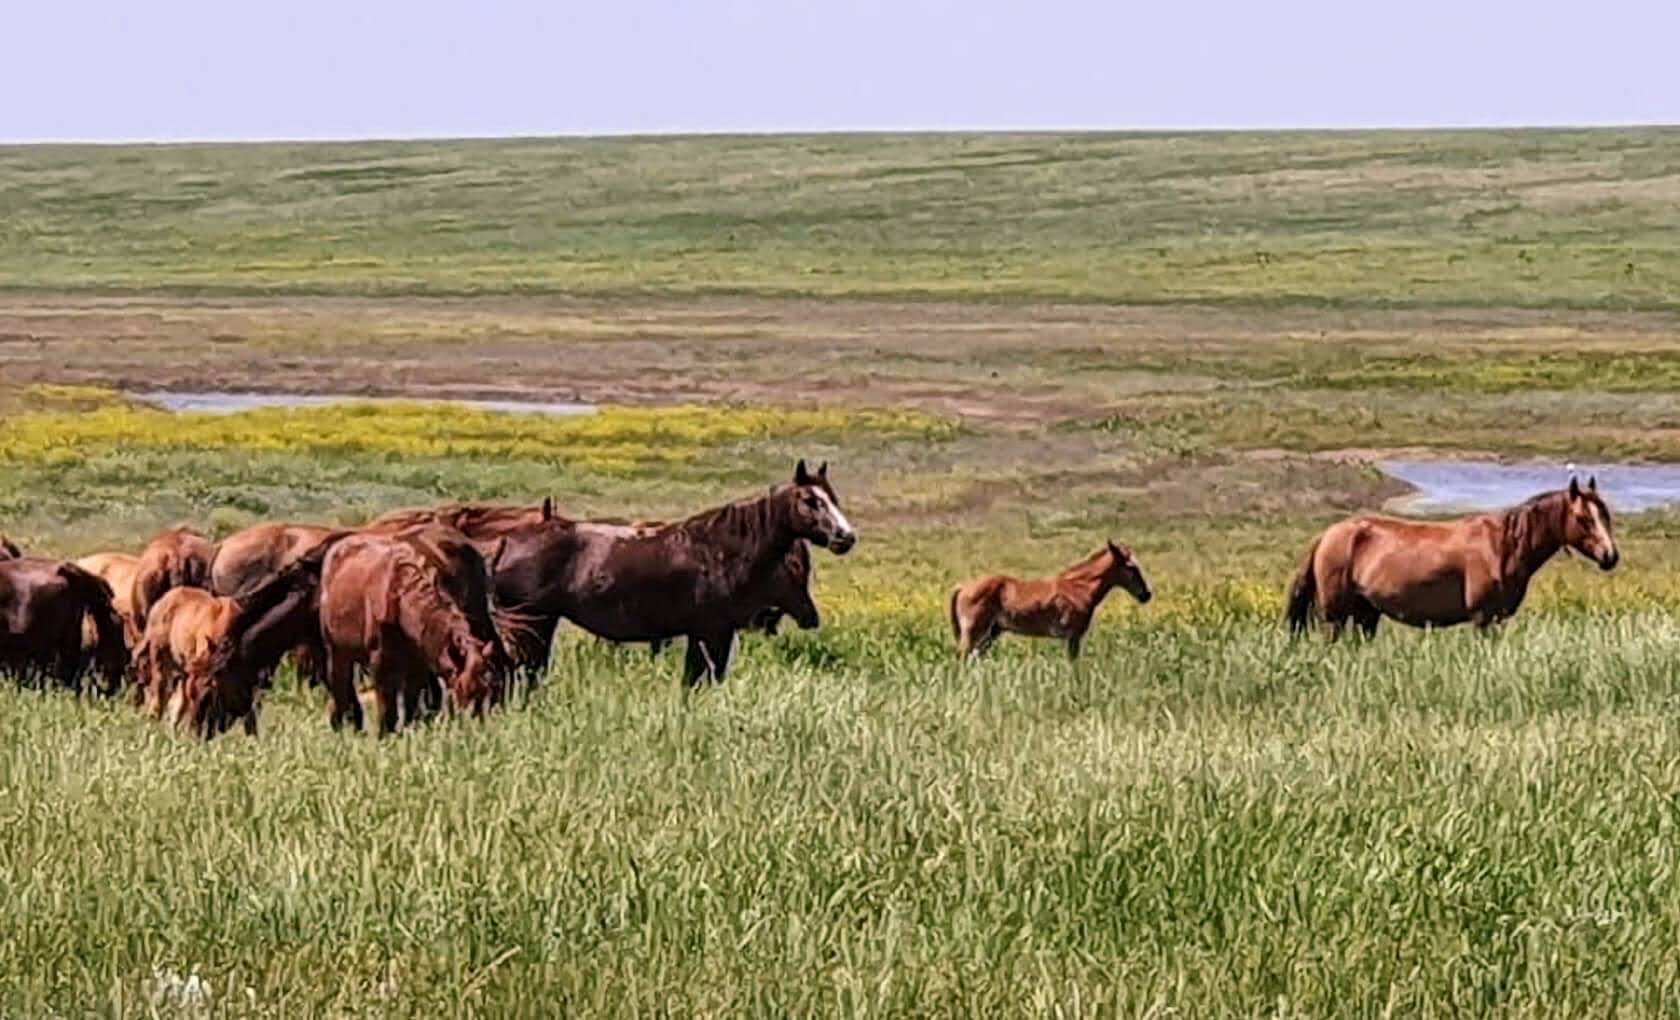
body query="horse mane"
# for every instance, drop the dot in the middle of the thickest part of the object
(747, 519)
(1085, 565)
(1520, 525)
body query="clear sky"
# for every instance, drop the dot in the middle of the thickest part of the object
(231, 69)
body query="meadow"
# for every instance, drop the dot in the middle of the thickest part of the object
(1205, 818)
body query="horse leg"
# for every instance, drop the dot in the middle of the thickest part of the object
(387, 688)
(708, 658)
(1073, 645)
(1367, 616)
(656, 646)
(341, 684)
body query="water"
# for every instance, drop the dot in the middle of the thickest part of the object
(233, 403)
(1449, 487)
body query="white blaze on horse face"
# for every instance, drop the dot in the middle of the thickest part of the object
(1601, 531)
(838, 519)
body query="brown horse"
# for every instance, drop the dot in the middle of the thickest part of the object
(480, 522)
(204, 657)
(177, 558)
(703, 578)
(42, 606)
(412, 609)
(1436, 574)
(1054, 607)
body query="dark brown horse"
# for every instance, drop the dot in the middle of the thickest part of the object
(413, 610)
(1436, 574)
(703, 578)
(177, 558)
(204, 657)
(1055, 607)
(42, 606)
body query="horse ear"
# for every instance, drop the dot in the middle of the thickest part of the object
(1574, 488)
(548, 508)
(800, 475)
(822, 470)
(1592, 483)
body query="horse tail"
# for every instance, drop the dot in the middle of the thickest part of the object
(1303, 592)
(956, 624)
(94, 594)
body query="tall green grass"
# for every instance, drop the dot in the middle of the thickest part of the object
(1201, 820)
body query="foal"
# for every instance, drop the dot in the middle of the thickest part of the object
(1056, 607)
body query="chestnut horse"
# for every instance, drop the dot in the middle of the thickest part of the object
(42, 606)
(703, 578)
(177, 558)
(1436, 574)
(413, 610)
(204, 657)
(1054, 607)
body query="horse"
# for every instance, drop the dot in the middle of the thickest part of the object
(527, 637)
(249, 558)
(704, 577)
(177, 558)
(412, 609)
(116, 570)
(204, 656)
(42, 605)
(1438, 574)
(983, 609)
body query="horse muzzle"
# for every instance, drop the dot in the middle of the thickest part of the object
(842, 543)
(1608, 561)
(1144, 596)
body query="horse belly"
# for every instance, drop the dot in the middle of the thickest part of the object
(1433, 601)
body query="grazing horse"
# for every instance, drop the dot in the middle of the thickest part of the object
(204, 656)
(177, 558)
(527, 637)
(1436, 574)
(703, 578)
(42, 606)
(413, 610)
(1054, 607)
(249, 558)
(116, 570)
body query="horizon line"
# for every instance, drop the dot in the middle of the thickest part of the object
(679, 134)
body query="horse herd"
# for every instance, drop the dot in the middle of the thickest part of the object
(447, 606)
(436, 607)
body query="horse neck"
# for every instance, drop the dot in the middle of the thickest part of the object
(759, 521)
(1090, 579)
(1533, 534)
(442, 625)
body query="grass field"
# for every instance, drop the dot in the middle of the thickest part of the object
(1204, 819)
(1557, 218)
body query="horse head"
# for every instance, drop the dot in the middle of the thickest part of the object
(1587, 527)
(1124, 572)
(815, 511)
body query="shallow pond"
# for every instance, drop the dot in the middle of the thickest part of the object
(1447, 487)
(233, 403)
